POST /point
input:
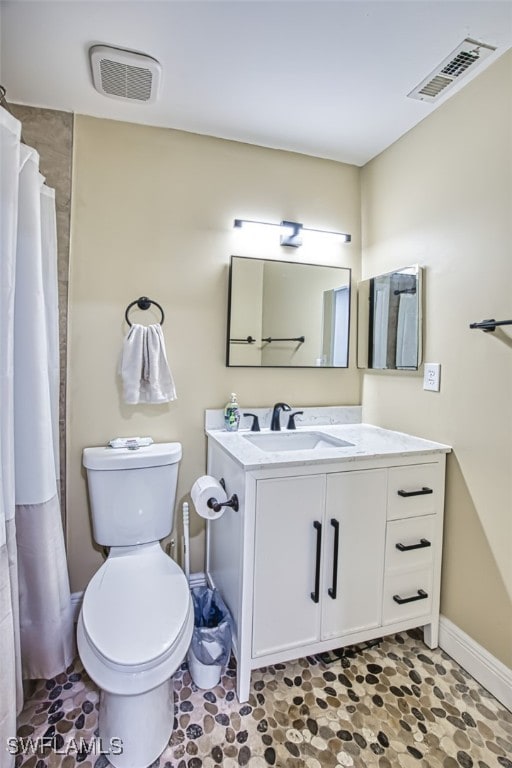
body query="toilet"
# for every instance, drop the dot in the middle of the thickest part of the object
(137, 617)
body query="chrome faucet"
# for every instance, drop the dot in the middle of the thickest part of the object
(275, 424)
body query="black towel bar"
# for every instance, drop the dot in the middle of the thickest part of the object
(489, 325)
(143, 303)
(404, 290)
(300, 339)
(247, 340)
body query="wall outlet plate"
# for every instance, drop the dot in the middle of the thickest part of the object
(432, 377)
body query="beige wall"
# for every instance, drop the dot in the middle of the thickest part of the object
(442, 197)
(152, 214)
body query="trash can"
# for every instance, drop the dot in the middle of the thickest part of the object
(211, 639)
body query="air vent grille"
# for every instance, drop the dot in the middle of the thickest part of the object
(123, 74)
(458, 65)
(125, 81)
(435, 86)
(455, 66)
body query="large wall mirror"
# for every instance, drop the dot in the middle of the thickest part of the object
(283, 313)
(389, 318)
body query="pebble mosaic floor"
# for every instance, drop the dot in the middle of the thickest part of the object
(398, 704)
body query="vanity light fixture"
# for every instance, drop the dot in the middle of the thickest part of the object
(291, 231)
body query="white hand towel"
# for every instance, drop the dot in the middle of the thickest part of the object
(144, 368)
(157, 384)
(131, 363)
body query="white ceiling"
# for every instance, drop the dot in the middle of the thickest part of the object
(323, 78)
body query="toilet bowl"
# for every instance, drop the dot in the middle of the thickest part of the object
(137, 617)
(133, 632)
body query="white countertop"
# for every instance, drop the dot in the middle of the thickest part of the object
(369, 442)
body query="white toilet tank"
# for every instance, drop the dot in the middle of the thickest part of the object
(132, 493)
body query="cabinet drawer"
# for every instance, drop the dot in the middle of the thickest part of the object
(404, 586)
(415, 539)
(414, 490)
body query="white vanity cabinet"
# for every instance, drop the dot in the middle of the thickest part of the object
(318, 558)
(323, 555)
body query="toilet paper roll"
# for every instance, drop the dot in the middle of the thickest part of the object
(204, 489)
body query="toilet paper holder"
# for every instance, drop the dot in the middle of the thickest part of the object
(217, 505)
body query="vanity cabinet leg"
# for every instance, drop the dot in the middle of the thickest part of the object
(243, 682)
(431, 634)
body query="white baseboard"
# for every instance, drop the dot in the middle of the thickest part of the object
(483, 666)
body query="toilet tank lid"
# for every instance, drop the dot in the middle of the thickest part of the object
(155, 455)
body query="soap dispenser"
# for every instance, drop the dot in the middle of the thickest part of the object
(232, 414)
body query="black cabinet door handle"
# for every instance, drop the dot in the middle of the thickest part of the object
(332, 591)
(424, 491)
(315, 596)
(422, 595)
(407, 547)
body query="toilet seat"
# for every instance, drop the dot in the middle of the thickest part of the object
(136, 619)
(135, 606)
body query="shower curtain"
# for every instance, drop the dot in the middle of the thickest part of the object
(36, 625)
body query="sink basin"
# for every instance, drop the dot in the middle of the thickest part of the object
(295, 441)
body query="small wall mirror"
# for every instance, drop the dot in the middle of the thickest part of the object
(389, 332)
(283, 313)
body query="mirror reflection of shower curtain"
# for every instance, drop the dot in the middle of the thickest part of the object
(336, 311)
(407, 332)
(380, 324)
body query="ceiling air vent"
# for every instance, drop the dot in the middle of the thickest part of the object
(123, 74)
(451, 70)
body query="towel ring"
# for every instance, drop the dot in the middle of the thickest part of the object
(143, 303)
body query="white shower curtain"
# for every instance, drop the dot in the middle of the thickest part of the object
(10, 664)
(36, 627)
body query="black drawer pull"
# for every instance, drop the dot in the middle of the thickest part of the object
(422, 595)
(315, 596)
(332, 591)
(423, 492)
(407, 547)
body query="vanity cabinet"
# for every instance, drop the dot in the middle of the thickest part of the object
(324, 555)
(318, 558)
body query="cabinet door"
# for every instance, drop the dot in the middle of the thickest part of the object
(353, 575)
(285, 562)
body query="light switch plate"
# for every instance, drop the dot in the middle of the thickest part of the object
(432, 377)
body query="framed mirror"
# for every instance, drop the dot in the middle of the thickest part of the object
(287, 314)
(389, 316)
